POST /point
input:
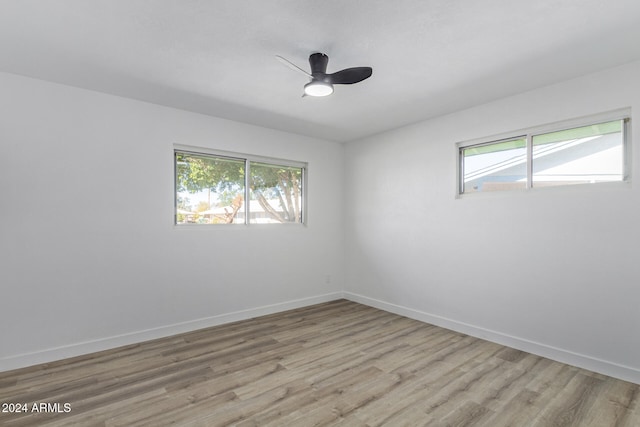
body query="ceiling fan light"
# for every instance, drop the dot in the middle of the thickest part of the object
(318, 88)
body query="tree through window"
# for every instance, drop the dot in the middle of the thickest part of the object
(213, 189)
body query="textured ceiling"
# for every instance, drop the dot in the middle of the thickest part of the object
(429, 57)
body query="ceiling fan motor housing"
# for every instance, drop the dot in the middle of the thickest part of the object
(318, 62)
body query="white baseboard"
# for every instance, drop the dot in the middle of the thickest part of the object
(77, 349)
(582, 361)
(611, 369)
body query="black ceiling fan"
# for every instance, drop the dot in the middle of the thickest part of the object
(321, 83)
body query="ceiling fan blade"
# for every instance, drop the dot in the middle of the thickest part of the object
(292, 65)
(350, 75)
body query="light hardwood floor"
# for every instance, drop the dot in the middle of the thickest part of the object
(338, 363)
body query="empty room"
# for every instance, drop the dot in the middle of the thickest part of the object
(303, 213)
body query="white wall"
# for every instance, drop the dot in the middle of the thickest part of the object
(89, 255)
(554, 272)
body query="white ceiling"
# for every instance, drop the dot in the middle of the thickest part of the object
(217, 57)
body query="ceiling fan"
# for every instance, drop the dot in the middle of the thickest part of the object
(321, 83)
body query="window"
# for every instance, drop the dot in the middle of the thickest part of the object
(586, 154)
(573, 155)
(212, 188)
(278, 192)
(495, 166)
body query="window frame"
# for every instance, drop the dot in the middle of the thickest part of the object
(624, 115)
(247, 159)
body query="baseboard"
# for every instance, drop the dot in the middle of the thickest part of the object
(611, 369)
(561, 355)
(78, 349)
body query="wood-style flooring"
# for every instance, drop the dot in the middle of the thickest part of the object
(338, 363)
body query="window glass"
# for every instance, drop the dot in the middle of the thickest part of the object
(585, 154)
(580, 155)
(220, 188)
(276, 193)
(209, 189)
(495, 166)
